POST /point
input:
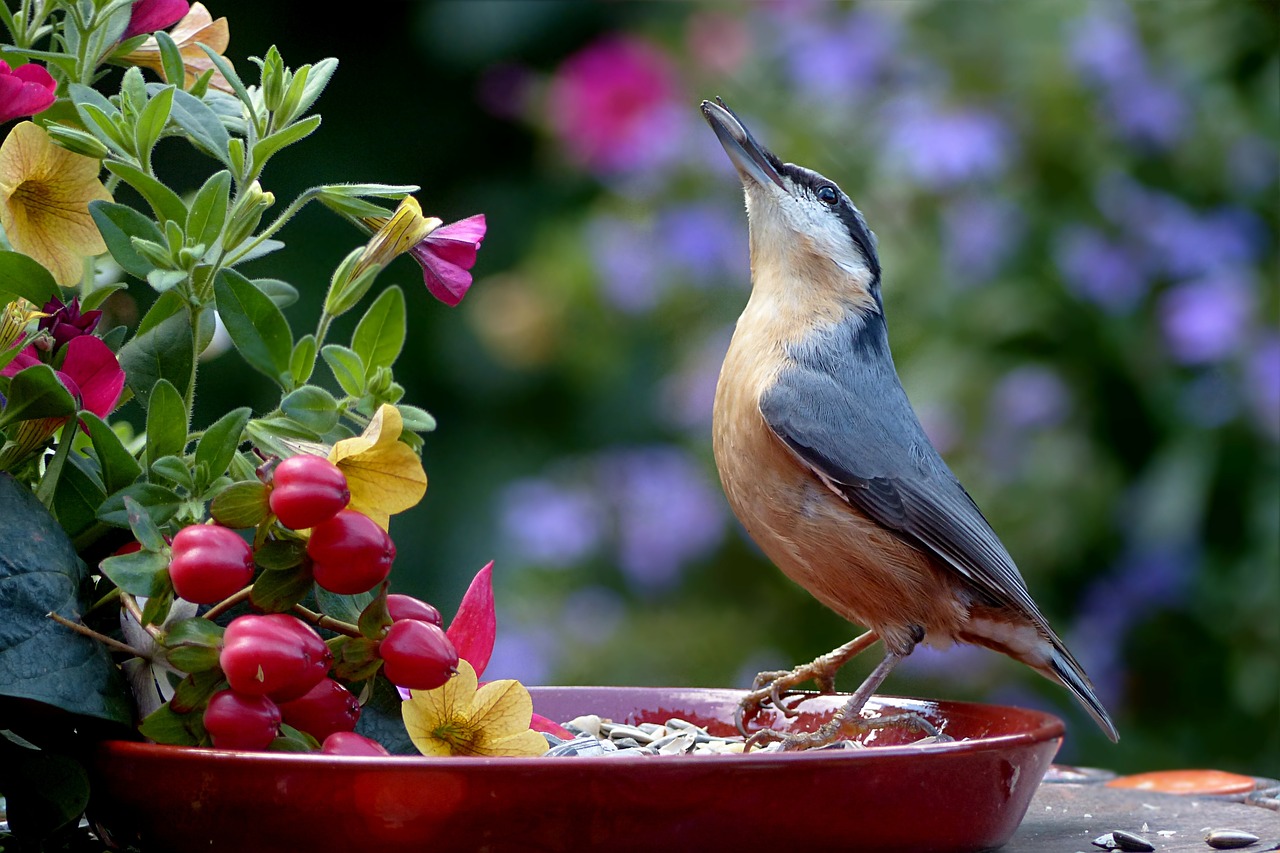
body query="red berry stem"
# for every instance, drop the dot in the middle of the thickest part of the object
(320, 620)
(131, 604)
(227, 603)
(85, 630)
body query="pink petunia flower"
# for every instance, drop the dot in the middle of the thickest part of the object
(151, 15)
(446, 255)
(90, 372)
(25, 90)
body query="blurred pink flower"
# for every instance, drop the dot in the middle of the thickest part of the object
(25, 90)
(446, 255)
(151, 15)
(608, 103)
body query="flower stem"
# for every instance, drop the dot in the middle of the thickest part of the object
(86, 631)
(322, 621)
(131, 604)
(227, 603)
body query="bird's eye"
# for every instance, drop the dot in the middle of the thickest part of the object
(828, 195)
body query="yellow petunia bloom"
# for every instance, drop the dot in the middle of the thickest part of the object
(383, 473)
(198, 26)
(44, 202)
(458, 719)
(392, 237)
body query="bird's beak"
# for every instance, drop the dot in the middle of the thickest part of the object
(747, 155)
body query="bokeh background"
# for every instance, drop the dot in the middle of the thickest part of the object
(1076, 204)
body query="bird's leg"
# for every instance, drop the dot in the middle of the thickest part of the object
(848, 718)
(768, 686)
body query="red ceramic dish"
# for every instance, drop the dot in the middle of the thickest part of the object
(961, 796)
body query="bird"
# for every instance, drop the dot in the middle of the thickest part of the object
(826, 465)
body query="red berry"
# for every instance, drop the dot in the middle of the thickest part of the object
(209, 563)
(276, 655)
(306, 490)
(417, 655)
(326, 708)
(350, 743)
(241, 721)
(350, 553)
(408, 607)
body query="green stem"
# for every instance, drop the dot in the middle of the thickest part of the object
(227, 603)
(189, 399)
(322, 328)
(280, 221)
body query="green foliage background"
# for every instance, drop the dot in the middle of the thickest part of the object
(1139, 492)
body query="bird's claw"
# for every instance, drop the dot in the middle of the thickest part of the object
(838, 727)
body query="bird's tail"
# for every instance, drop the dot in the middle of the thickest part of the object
(1066, 670)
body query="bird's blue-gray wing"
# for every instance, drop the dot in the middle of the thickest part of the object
(841, 409)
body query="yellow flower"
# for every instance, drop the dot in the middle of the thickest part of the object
(198, 26)
(14, 318)
(44, 202)
(383, 473)
(392, 237)
(458, 719)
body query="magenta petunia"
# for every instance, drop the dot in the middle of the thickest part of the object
(25, 90)
(446, 255)
(90, 372)
(67, 321)
(151, 15)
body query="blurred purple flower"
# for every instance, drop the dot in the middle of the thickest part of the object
(688, 395)
(1147, 111)
(668, 512)
(1100, 270)
(940, 148)
(1206, 320)
(705, 241)
(837, 61)
(1104, 47)
(1262, 383)
(611, 105)
(592, 614)
(978, 235)
(632, 275)
(1030, 397)
(549, 524)
(528, 654)
(1253, 164)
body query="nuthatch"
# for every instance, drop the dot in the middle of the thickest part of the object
(825, 462)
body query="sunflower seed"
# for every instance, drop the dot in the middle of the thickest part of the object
(1130, 842)
(1230, 839)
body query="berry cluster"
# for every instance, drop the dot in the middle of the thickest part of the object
(270, 674)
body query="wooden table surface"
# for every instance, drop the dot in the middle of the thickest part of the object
(1065, 818)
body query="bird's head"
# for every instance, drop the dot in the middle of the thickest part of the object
(804, 229)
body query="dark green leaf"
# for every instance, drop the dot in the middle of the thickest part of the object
(354, 658)
(99, 294)
(163, 725)
(256, 326)
(158, 605)
(44, 791)
(277, 591)
(314, 408)
(25, 277)
(347, 367)
(77, 496)
(117, 466)
(218, 444)
(282, 293)
(175, 470)
(194, 691)
(292, 740)
(35, 392)
(164, 201)
(170, 58)
(139, 573)
(194, 658)
(152, 121)
(143, 528)
(163, 352)
(160, 503)
(240, 505)
(344, 608)
(270, 435)
(118, 224)
(209, 209)
(375, 618)
(303, 360)
(381, 719)
(40, 659)
(166, 423)
(380, 335)
(278, 554)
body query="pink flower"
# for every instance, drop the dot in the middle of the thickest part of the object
(610, 103)
(445, 255)
(90, 372)
(25, 90)
(151, 15)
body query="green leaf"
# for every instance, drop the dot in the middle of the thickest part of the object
(319, 76)
(256, 326)
(209, 209)
(375, 618)
(35, 392)
(99, 294)
(282, 293)
(293, 740)
(164, 201)
(170, 58)
(45, 791)
(354, 658)
(166, 423)
(39, 659)
(202, 125)
(139, 573)
(314, 408)
(380, 335)
(347, 367)
(118, 224)
(345, 608)
(158, 603)
(381, 720)
(194, 691)
(192, 644)
(270, 434)
(152, 121)
(161, 504)
(279, 554)
(233, 79)
(277, 591)
(164, 725)
(161, 352)
(267, 147)
(77, 496)
(415, 419)
(240, 505)
(303, 361)
(25, 277)
(175, 470)
(218, 444)
(117, 465)
(143, 528)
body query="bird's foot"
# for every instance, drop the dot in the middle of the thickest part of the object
(841, 728)
(768, 687)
